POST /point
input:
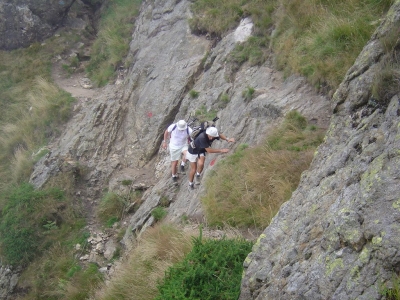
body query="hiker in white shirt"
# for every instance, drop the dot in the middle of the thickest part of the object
(178, 134)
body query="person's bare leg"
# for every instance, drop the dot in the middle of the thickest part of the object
(184, 156)
(200, 164)
(193, 166)
(173, 167)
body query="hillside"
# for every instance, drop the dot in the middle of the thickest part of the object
(336, 236)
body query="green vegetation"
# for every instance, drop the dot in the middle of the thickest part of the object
(42, 228)
(202, 114)
(317, 39)
(193, 94)
(212, 270)
(159, 213)
(35, 109)
(253, 183)
(112, 207)
(112, 42)
(223, 100)
(386, 84)
(248, 93)
(39, 229)
(391, 290)
(24, 221)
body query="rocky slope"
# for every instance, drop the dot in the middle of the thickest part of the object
(338, 236)
(342, 218)
(117, 133)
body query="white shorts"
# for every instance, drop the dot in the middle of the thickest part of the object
(193, 157)
(176, 153)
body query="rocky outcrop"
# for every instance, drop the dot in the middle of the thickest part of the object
(23, 22)
(338, 236)
(8, 280)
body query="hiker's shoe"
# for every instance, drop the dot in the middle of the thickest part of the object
(182, 169)
(191, 187)
(198, 178)
(175, 179)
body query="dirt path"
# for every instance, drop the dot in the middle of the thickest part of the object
(77, 84)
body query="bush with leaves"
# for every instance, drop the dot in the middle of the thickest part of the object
(212, 270)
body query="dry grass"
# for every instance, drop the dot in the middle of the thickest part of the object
(156, 250)
(321, 39)
(36, 122)
(248, 187)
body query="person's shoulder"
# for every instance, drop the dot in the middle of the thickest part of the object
(171, 127)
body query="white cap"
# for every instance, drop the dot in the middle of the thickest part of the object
(212, 131)
(181, 125)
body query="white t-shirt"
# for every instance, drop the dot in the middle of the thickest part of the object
(179, 138)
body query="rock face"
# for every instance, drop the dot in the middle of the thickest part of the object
(8, 280)
(23, 22)
(338, 236)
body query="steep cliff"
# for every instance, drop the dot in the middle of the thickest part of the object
(338, 236)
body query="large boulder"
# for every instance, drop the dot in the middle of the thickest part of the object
(23, 22)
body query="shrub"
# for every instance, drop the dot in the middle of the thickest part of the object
(212, 270)
(248, 93)
(159, 213)
(193, 94)
(223, 100)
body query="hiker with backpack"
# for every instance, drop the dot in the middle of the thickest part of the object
(197, 151)
(178, 134)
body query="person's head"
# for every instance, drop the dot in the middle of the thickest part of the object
(181, 125)
(212, 132)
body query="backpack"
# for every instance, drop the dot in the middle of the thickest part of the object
(197, 130)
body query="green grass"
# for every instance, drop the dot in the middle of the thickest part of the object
(317, 39)
(24, 220)
(212, 270)
(39, 230)
(35, 109)
(159, 213)
(111, 209)
(193, 94)
(112, 42)
(202, 114)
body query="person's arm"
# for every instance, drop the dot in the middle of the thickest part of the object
(164, 142)
(212, 150)
(223, 137)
